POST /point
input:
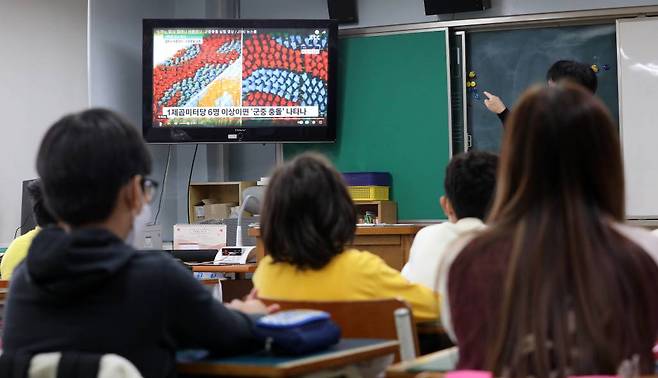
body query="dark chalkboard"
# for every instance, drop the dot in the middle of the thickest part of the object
(508, 62)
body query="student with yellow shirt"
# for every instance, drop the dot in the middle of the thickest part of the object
(308, 218)
(17, 250)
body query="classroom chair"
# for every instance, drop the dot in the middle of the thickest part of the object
(368, 319)
(4, 288)
(66, 365)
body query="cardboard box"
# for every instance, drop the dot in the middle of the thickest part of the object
(219, 192)
(199, 236)
(210, 209)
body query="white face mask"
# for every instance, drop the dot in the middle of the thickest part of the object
(139, 225)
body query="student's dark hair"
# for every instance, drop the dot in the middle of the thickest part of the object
(579, 73)
(574, 301)
(470, 182)
(83, 161)
(308, 215)
(41, 214)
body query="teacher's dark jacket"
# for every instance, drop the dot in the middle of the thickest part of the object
(88, 291)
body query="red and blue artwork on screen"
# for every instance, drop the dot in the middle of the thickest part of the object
(238, 77)
(286, 69)
(194, 69)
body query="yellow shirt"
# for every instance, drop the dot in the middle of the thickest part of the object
(15, 253)
(351, 275)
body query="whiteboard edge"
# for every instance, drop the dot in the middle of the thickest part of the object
(620, 71)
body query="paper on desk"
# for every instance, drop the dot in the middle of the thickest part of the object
(199, 236)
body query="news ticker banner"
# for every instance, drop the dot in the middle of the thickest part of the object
(241, 111)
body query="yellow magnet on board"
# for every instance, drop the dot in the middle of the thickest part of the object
(595, 68)
(468, 84)
(473, 84)
(472, 74)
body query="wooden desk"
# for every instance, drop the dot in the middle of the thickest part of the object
(433, 365)
(246, 268)
(347, 352)
(231, 289)
(391, 243)
(436, 362)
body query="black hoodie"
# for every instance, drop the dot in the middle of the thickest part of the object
(88, 291)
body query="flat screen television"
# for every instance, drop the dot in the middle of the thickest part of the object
(239, 81)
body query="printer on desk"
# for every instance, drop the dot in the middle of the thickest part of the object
(225, 236)
(205, 243)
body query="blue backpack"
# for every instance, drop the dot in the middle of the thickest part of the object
(296, 332)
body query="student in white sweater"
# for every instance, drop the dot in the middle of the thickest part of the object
(469, 184)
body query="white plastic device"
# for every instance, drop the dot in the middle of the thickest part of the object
(237, 254)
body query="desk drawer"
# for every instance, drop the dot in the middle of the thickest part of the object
(360, 240)
(392, 254)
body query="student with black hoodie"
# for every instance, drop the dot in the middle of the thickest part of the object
(83, 289)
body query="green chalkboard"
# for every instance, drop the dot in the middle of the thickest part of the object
(507, 62)
(394, 116)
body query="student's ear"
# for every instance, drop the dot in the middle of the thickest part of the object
(133, 195)
(447, 209)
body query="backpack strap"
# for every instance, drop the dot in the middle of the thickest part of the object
(78, 365)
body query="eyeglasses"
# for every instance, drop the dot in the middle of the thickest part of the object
(149, 187)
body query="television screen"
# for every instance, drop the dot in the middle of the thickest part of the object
(223, 81)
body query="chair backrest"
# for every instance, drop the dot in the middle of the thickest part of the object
(358, 319)
(68, 364)
(4, 289)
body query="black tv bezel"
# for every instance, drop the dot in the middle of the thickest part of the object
(272, 134)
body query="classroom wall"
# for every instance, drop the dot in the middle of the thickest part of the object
(115, 52)
(518, 7)
(115, 71)
(389, 12)
(115, 56)
(43, 74)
